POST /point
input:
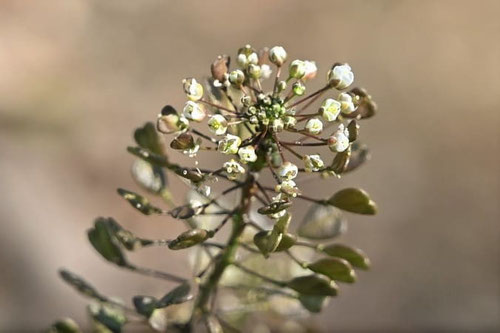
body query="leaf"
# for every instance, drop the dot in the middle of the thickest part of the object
(313, 285)
(312, 303)
(189, 238)
(145, 305)
(360, 154)
(322, 222)
(355, 257)
(340, 162)
(139, 202)
(80, 285)
(103, 240)
(182, 142)
(112, 317)
(148, 176)
(353, 200)
(335, 268)
(287, 241)
(177, 295)
(147, 137)
(65, 325)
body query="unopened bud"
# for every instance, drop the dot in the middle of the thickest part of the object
(193, 89)
(277, 55)
(340, 76)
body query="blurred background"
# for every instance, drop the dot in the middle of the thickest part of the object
(76, 78)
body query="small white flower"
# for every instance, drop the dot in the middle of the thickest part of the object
(297, 69)
(288, 171)
(266, 71)
(347, 103)
(233, 169)
(193, 89)
(237, 77)
(217, 124)
(277, 125)
(247, 154)
(288, 188)
(230, 144)
(314, 126)
(339, 140)
(194, 111)
(310, 70)
(290, 122)
(340, 76)
(330, 109)
(191, 152)
(247, 56)
(313, 163)
(277, 55)
(254, 71)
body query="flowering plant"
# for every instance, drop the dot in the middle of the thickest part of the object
(257, 133)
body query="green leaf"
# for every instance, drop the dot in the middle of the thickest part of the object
(102, 239)
(65, 325)
(147, 137)
(335, 268)
(189, 238)
(322, 222)
(355, 257)
(80, 285)
(148, 176)
(353, 200)
(139, 202)
(287, 241)
(312, 303)
(313, 285)
(145, 305)
(111, 317)
(177, 295)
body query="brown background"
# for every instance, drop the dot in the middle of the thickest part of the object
(77, 76)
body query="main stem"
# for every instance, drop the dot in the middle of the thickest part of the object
(227, 256)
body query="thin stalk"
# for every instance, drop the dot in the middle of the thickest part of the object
(325, 88)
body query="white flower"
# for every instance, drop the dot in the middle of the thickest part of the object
(254, 71)
(277, 55)
(310, 70)
(297, 69)
(288, 187)
(191, 152)
(290, 121)
(194, 111)
(217, 124)
(330, 109)
(247, 56)
(339, 140)
(193, 89)
(340, 76)
(314, 126)
(266, 71)
(277, 125)
(230, 144)
(247, 154)
(288, 171)
(233, 169)
(347, 104)
(313, 163)
(237, 77)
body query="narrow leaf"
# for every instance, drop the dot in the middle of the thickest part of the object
(80, 285)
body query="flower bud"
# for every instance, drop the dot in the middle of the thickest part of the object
(237, 77)
(229, 144)
(298, 88)
(311, 70)
(297, 69)
(254, 71)
(277, 125)
(340, 76)
(217, 124)
(281, 86)
(313, 163)
(277, 55)
(330, 109)
(247, 154)
(288, 171)
(247, 56)
(314, 126)
(290, 122)
(246, 101)
(266, 71)
(220, 67)
(346, 103)
(233, 169)
(339, 141)
(288, 187)
(193, 89)
(194, 111)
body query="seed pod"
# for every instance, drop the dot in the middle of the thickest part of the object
(189, 238)
(220, 67)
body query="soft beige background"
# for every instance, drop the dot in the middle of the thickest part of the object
(77, 76)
